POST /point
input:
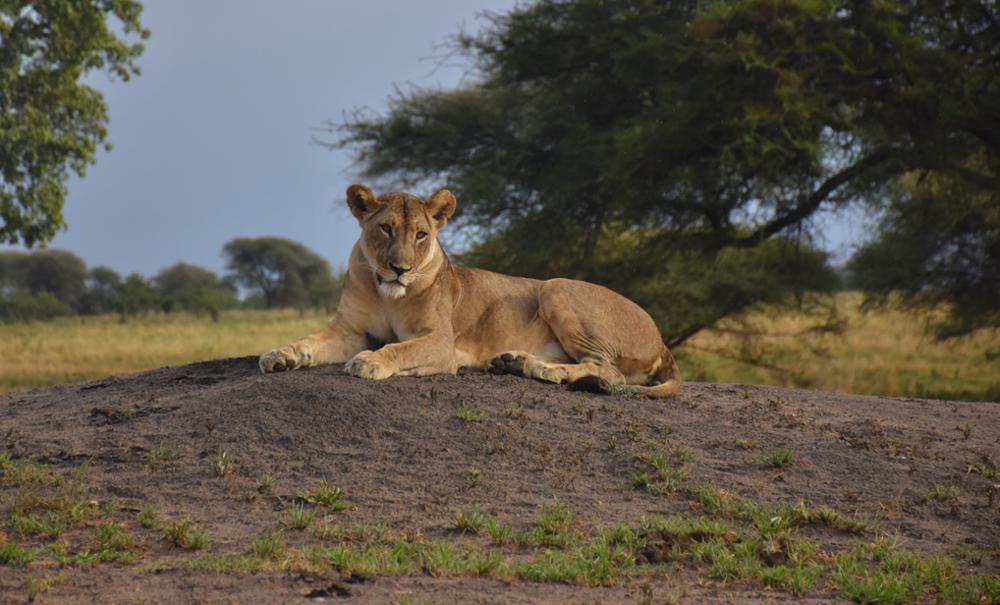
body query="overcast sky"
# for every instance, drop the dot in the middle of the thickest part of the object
(214, 140)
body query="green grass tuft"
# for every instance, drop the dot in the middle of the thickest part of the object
(221, 463)
(325, 495)
(271, 546)
(183, 535)
(468, 413)
(13, 553)
(299, 517)
(149, 517)
(943, 493)
(779, 458)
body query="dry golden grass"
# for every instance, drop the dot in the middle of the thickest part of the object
(79, 348)
(884, 352)
(837, 346)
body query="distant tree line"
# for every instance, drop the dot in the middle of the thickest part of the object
(273, 272)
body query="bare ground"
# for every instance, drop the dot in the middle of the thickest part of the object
(404, 459)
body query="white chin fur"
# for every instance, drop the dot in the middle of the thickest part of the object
(392, 289)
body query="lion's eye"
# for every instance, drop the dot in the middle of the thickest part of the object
(421, 235)
(385, 229)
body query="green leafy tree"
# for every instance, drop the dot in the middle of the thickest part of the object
(22, 305)
(938, 245)
(324, 293)
(192, 288)
(51, 123)
(41, 285)
(712, 132)
(284, 273)
(12, 269)
(135, 296)
(101, 295)
(57, 272)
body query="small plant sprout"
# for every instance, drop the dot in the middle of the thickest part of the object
(664, 472)
(513, 410)
(161, 453)
(943, 493)
(468, 413)
(222, 463)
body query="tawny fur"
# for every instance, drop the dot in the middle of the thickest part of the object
(433, 317)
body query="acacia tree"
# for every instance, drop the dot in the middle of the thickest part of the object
(283, 272)
(709, 133)
(51, 123)
(58, 272)
(938, 245)
(135, 296)
(193, 288)
(101, 296)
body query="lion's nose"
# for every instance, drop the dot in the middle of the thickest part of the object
(399, 270)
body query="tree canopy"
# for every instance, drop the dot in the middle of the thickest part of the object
(51, 123)
(185, 286)
(135, 296)
(705, 131)
(283, 272)
(57, 272)
(103, 285)
(41, 285)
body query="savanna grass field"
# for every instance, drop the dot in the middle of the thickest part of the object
(833, 344)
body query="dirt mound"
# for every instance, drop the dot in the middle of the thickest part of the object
(414, 461)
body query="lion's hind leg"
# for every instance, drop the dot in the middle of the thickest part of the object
(529, 365)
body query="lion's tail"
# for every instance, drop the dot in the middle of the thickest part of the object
(667, 381)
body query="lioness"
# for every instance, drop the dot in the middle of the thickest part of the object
(406, 310)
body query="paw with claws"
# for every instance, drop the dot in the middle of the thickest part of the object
(284, 359)
(508, 363)
(367, 364)
(520, 363)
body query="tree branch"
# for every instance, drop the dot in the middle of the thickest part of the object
(815, 199)
(676, 342)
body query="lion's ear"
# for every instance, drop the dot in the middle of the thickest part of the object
(362, 201)
(440, 207)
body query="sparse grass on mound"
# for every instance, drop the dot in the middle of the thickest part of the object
(48, 520)
(722, 550)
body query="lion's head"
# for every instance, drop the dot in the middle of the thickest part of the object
(399, 234)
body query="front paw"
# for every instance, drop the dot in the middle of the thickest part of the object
(285, 358)
(367, 364)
